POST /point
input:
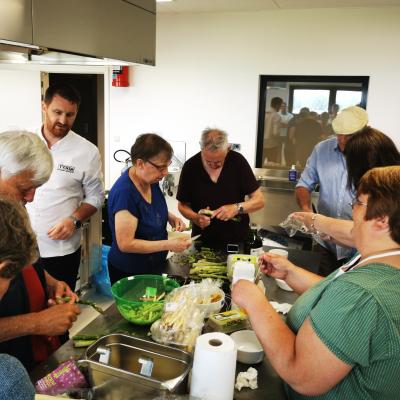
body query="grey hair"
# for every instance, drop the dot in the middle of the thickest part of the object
(22, 151)
(18, 246)
(214, 140)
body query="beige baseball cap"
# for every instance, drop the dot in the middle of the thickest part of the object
(350, 120)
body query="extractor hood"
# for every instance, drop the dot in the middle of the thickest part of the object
(89, 32)
(20, 53)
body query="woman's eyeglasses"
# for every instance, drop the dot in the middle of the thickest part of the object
(355, 201)
(161, 168)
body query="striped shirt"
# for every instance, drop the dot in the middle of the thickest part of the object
(357, 316)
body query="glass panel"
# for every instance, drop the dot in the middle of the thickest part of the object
(347, 98)
(296, 112)
(314, 100)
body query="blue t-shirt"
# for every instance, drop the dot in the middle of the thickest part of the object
(152, 224)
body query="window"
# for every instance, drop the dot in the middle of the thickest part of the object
(315, 100)
(347, 98)
(288, 134)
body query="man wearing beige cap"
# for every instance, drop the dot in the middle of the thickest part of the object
(326, 167)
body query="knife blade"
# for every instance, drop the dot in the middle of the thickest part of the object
(195, 237)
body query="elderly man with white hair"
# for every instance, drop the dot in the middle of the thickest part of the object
(28, 327)
(218, 179)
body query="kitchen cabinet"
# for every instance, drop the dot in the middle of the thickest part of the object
(16, 21)
(121, 30)
(148, 5)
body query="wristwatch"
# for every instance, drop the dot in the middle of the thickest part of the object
(77, 223)
(239, 207)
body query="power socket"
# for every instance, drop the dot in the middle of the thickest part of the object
(236, 146)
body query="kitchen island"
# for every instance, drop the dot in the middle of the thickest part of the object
(269, 384)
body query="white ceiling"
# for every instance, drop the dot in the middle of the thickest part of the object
(182, 6)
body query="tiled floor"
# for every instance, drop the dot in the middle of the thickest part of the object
(88, 313)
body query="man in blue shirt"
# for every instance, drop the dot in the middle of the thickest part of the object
(326, 167)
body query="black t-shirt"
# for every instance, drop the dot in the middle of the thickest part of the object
(199, 191)
(16, 302)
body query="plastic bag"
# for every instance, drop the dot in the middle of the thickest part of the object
(65, 377)
(291, 226)
(184, 314)
(101, 278)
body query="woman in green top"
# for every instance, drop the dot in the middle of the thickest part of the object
(341, 340)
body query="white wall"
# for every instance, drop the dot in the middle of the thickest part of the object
(19, 90)
(208, 66)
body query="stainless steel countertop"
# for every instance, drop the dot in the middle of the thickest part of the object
(270, 384)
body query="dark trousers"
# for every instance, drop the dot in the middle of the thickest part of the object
(116, 274)
(64, 268)
(328, 263)
(272, 153)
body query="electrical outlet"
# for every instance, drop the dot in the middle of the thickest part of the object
(236, 146)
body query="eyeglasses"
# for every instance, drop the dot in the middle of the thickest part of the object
(161, 168)
(355, 201)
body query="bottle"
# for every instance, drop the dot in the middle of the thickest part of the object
(293, 174)
(253, 245)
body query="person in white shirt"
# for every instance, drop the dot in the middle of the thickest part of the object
(272, 125)
(285, 118)
(74, 191)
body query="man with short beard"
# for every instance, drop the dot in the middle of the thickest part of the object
(74, 191)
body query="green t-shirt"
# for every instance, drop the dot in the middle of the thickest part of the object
(357, 316)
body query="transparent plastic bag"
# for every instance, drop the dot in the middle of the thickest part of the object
(181, 322)
(291, 226)
(184, 312)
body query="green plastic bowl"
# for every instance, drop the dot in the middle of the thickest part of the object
(129, 293)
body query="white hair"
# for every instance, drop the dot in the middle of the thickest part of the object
(22, 151)
(213, 139)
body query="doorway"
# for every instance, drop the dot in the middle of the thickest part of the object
(89, 124)
(86, 84)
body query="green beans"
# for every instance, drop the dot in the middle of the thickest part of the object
(66, 299)
(142, 314)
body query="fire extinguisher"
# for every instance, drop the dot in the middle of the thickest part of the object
(120, 76)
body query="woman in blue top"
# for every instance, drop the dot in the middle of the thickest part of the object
(138, 212)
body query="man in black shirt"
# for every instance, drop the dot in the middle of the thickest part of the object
(218, 179)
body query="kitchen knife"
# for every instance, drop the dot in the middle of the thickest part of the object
(195, 237)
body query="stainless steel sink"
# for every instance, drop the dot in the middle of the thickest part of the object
(124, 367)
(268, 182)
(271, 173)
(274, 178)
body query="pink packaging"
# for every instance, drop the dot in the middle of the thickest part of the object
(65, 377)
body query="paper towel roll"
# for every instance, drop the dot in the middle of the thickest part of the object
(214, 367)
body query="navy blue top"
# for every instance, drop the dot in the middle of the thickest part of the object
(152, 224)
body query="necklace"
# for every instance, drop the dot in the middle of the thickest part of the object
(354, 263)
